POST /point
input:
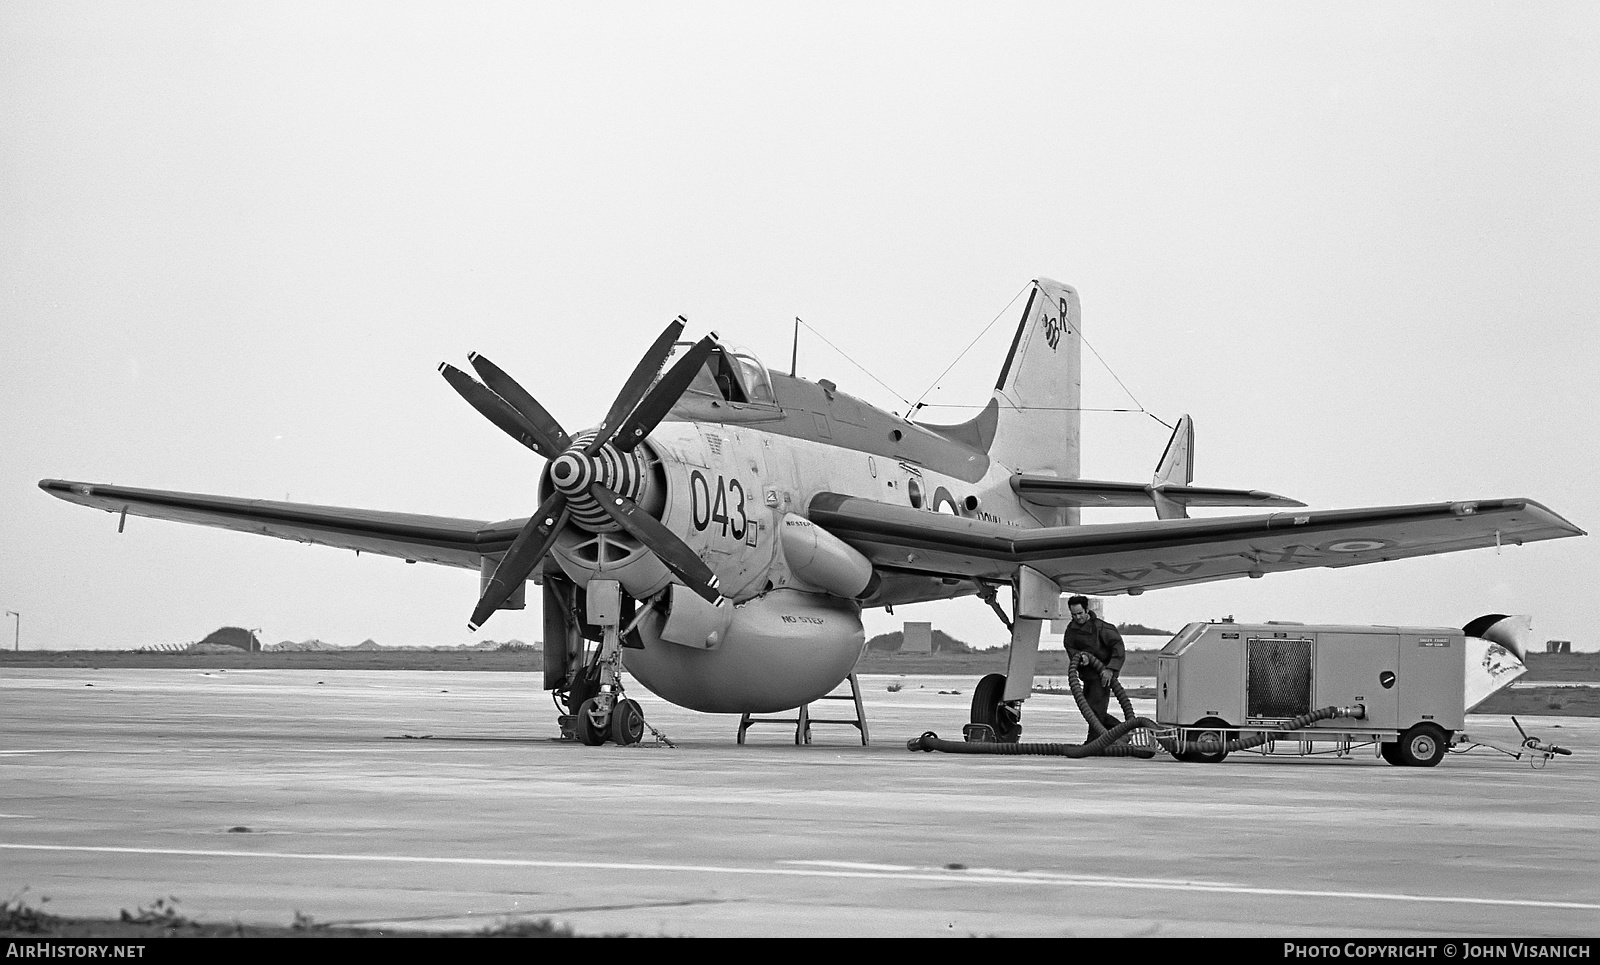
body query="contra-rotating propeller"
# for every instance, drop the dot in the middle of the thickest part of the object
(581, 466)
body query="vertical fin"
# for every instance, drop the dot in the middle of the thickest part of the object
(1040, 387)
(1176, 468)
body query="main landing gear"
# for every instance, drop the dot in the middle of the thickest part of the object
(996, 720)
(596, 708)
(991, 710)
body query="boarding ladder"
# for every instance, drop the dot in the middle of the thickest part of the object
(803, 720)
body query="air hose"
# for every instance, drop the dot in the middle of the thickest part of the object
(1358, 712)
(1105, 743)
(1103, 746)
(1076, 683)
(1171, 746)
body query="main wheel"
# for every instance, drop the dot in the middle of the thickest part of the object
(1423, 746)
(989, 707)
(627, 722)
(587, 731)
(1208, 746)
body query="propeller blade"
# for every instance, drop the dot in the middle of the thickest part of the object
(664, 396)
(555, 438)
(525, 553)
(671, 550)
(634, 389)
(498, 411)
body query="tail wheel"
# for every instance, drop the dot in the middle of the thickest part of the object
(587, 731)
(627, 722)
(1423, 746)
(989, 707)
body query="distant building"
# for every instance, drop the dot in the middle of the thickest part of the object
(918, 638)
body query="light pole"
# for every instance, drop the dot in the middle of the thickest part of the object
(16, 641)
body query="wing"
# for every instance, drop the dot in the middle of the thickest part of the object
(431, 539)
(1133, 557)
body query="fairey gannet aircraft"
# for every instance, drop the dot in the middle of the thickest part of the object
(720, 532)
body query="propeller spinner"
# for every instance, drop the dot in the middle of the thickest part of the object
(586, 472)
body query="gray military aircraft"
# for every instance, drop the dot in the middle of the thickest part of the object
(720, 532)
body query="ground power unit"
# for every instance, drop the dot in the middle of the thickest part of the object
(1218, 683)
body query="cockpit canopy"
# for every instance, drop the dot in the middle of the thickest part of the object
(731, 374)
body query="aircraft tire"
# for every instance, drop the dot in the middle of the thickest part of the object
(1423, 746)
(587, 732)
(627, 722)
(988, 707)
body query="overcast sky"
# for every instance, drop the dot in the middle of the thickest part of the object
(1357, 242)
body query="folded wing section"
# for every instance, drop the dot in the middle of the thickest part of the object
(429, 539)
(1134, 557)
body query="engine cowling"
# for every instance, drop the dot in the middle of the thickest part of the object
(778, 651)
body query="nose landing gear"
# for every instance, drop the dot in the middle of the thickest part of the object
(600, 710)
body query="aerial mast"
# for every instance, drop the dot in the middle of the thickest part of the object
(794, 353)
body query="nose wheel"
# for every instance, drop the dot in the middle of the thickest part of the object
(603, 712)
(593, 722)
(621, 723)
(627, 722)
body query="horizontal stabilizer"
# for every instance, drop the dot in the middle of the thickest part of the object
(1055, 491)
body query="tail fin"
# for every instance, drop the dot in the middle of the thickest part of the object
(1040, 389)
(1176, 468)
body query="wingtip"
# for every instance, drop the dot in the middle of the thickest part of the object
(62, 487)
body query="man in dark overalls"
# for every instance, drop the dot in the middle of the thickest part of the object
(1089, 634)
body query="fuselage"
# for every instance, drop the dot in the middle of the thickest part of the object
(727, 475)
(733, 470)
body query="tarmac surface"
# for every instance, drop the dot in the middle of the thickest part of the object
(441, 801)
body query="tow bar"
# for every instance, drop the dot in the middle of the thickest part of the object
(1538, 753)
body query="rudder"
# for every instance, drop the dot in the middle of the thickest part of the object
(1040, 389)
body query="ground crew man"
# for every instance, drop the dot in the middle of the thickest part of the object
(1088, 634)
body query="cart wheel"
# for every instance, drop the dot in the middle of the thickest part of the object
(1209, 746)
(1422, 746)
